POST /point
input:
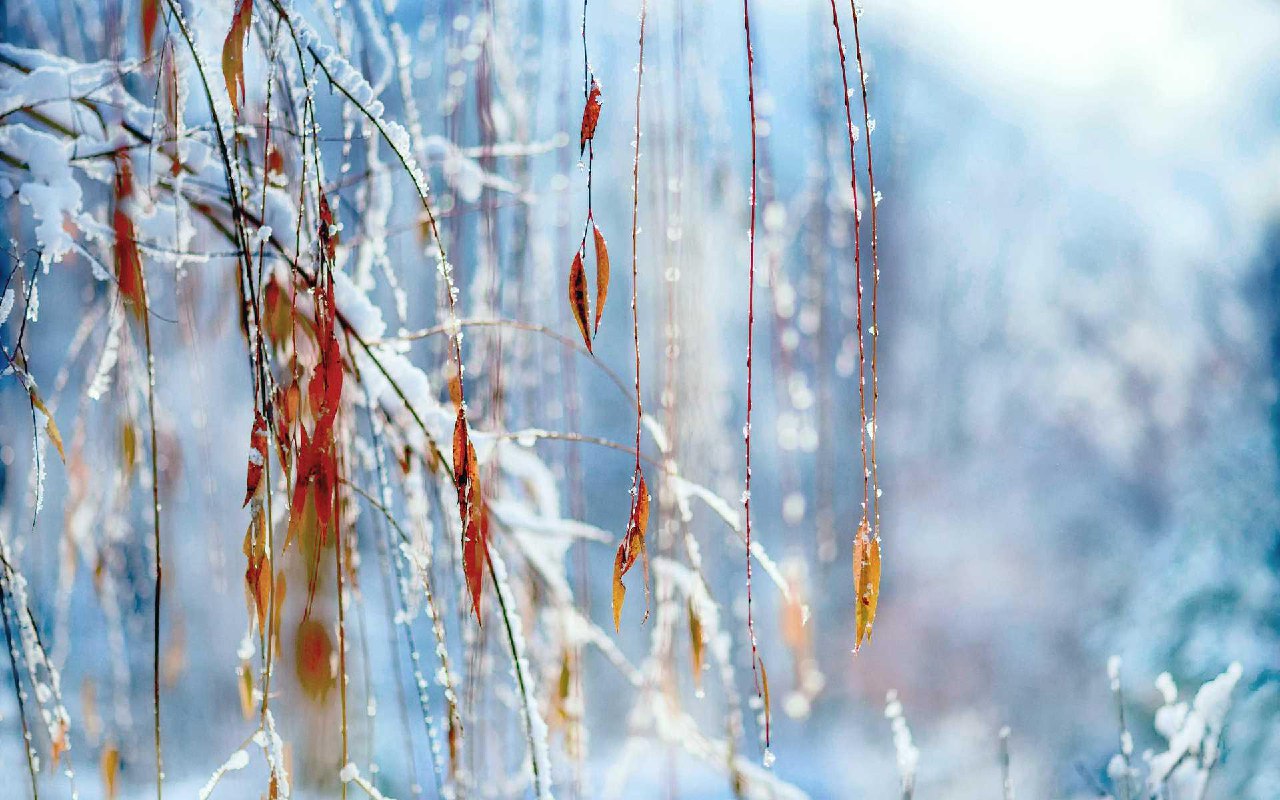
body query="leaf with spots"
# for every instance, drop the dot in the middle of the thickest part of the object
(578, 301)
(866, 582)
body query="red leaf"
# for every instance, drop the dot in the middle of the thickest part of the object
(128, 262)
(328, 232)
(475, 522)
(578, 298)
(150, 16)
(233, 53)
(257, 457)
(312, 651)
(590, 116)
(602, 275)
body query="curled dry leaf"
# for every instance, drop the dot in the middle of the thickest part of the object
(631, 548)
(257, 457)
(602, 274)
(233, 53)
(578, 298)
(590, 116)
(866, 582)
(475, 523)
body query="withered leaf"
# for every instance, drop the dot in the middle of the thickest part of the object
(475, 527)
(695, 639)
(578, 301)
(50, 425)
(602, 275)
(632, 548)
(866, 582)
(233, 53)
(257, 457)
(590, 116)
(109, 765)
(150, 16)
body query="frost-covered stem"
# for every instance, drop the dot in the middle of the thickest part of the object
(537, 746)
(342, 635)
(531, 327)
(751, 319)
(867, 126)
(405, 158)
(635, 231)
(397, 560)
(18, 694)
(155, 519)
(857, 261)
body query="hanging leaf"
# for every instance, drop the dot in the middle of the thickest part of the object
(127, 261)
(233, 53)
(50, 426)
(150, 16)
(578, 298)
(257, 457)
(475, 524)
(866, 582)
(768, 707)
(632, 548)
(602, 274)
(590, 116)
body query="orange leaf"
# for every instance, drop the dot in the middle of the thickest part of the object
(602, 274)
(619, 589)
(475, 524)
(632, 548)
(110, 766)
(590, 116)
(695, 639)
(257, 457)
(233, 53)
(578, 297)
(866, 582)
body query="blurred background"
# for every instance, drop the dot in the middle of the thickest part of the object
(1079, 308)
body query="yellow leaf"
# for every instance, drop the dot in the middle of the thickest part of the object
(619, 590)
(866, 584)
(110, 766)
(49, 425)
